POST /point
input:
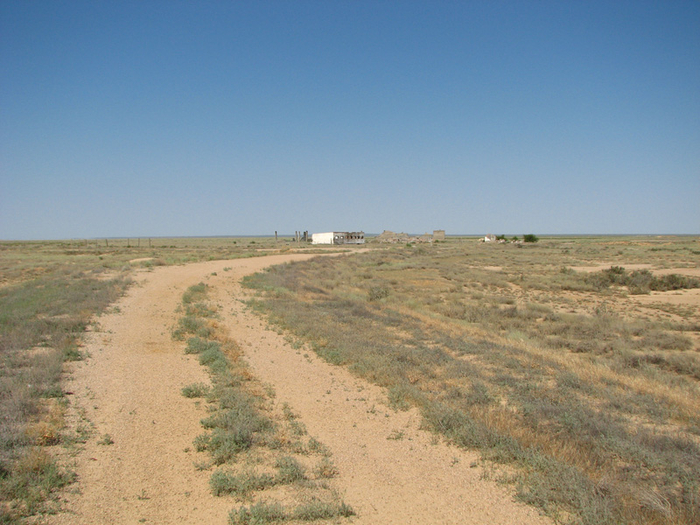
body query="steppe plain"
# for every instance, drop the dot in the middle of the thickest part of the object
(452, 382)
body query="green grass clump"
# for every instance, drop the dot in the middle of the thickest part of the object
(240, 485)
(266, 512)
(191, 324)
(195, 390)
(211, 355)
(32, 480)
(197, 345)
(258, 514)
(195, 293)
(289, 470)
(320, 510)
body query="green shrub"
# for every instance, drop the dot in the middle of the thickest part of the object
(640, 281)
(191, 324)
(195, 390)
(239, 484)
(195, 293)
(211, 354)
(258, 514)
(321, 510)
(289, 470)
(377, 293)
(197, 345)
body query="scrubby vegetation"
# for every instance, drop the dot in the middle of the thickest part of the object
(43, 313)
(640, 281)
(255, 445)
(590, 398)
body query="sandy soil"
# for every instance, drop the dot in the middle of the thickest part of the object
(391, 472)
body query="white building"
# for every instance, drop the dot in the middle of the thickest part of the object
(338, 238)
(322, 238)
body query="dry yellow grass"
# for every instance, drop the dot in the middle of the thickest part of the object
(595, 412)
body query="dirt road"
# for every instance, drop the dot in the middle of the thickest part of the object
(139, 464)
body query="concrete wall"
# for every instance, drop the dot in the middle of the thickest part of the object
(322, 238)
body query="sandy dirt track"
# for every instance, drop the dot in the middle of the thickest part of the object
(391, 472)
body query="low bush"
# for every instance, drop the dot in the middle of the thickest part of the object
(289, 470)
(195, 293)
(240, 485)
(266, 512)
(258, 514)
(197, 345)
(640, 281)
(195, 390)
(321, 510)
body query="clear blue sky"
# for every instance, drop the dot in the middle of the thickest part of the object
(165, 118)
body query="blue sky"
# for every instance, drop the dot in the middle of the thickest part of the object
(168, 118)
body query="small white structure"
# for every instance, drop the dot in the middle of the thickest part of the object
(338, 238)
(489, 238)
(322, 238)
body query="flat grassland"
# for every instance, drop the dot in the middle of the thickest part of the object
(571, 364)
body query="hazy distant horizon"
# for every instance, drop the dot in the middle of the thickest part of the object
(282, 236)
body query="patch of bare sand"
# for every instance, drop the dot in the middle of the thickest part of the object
(675, 297)
(129, 389)
(690, 272)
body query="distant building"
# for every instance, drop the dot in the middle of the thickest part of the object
(438, 235)
(338, 238)
(390, 236)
